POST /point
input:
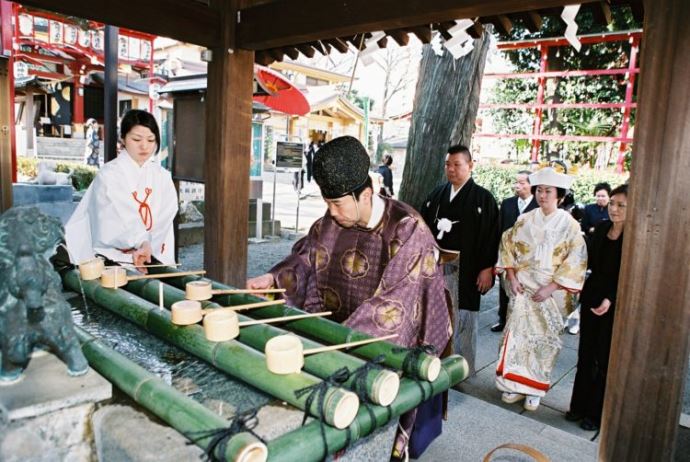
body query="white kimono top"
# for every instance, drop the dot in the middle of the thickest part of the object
(125, 205)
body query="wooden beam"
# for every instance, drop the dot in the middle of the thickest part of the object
(531, 19)
(476, 31)
(443, 28)
(601, 12)
(6, 122)
(264, 26)
(319, 47)
(338, 44)
(179, 19)
(502, 23)
(649, 353)
(292, 52)
(306, 49)
(400, 36)
(263, 57)
(228, 153)
(423, 33)
(327, 46)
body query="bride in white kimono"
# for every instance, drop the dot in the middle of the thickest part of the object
(127, 213)
(544, 258)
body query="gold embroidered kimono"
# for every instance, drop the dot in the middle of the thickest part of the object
(540, 249)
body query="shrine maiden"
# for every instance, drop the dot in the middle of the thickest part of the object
(127, 213)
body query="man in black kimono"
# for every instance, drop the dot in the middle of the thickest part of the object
(511, 208)
(463, 217)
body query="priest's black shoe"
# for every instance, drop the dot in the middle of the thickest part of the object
(588, 425)
(571, 416)
(498, 327)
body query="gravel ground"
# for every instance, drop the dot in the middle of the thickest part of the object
(262, 256)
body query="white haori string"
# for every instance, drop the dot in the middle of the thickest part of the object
(444, 225)
(568, 16)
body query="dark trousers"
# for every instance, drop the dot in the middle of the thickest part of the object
(502, 305)
(592, 364)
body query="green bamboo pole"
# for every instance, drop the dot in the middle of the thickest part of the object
(231, 357)
(321, 365)
(322, 329)
(185, 415)
(306, 445)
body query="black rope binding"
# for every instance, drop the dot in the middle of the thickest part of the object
(318, 391)
(360, 385)
(411, 358)
(220, 437)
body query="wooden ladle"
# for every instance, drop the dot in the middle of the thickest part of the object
(186, 312)
(285, 353)
(93, 268)
(116, 276)
(222, 325)
(203, 290)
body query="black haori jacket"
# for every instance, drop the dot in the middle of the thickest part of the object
(476, 234)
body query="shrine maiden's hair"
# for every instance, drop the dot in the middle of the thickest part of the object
(135, 117)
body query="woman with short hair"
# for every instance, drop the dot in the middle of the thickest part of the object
(598, 302)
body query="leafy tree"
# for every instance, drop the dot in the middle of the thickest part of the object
(600, 122)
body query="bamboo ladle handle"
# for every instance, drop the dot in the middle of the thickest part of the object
(165, 275)
(248, 306)
(284, 318)
(132, 265)
(348, 345)
(247, 291)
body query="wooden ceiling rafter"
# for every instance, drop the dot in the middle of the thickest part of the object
(292, 52)
(339, 44)
(172, 17)
(400, 36)
(306, 49)
(501, 22)
(531, 19)
(263, 26)
(423, 33)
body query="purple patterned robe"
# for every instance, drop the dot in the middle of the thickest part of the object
(379, 281)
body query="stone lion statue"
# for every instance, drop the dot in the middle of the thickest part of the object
(32, 310)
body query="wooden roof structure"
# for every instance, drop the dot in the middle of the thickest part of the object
(651, 343)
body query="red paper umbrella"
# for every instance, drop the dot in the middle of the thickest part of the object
(278, 92)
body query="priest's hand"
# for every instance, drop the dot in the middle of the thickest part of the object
(264, 281)
(141, 256)
(544, 292)
(485, 280)
(603, 308)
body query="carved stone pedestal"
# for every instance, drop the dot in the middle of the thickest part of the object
(46, 415)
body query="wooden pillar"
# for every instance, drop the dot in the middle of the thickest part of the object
(6, 120)
(110, 90)
(29, 117)
(228, 153)
(650, 342)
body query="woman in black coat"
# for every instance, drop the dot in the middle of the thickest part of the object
(598, 301)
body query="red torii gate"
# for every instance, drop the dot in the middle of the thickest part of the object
(633, 37)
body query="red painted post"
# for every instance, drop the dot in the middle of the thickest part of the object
(634, 48)
(544, 50)
(78, 97)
